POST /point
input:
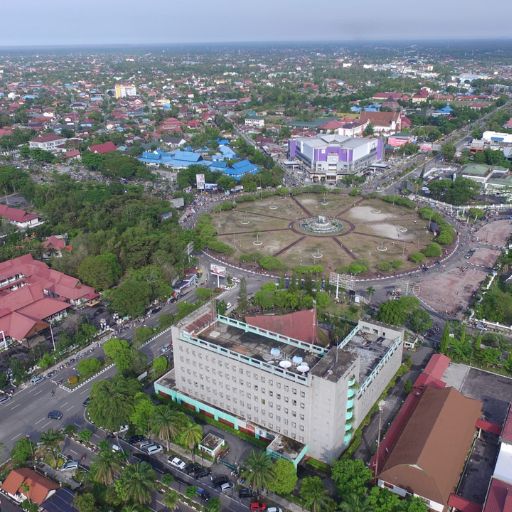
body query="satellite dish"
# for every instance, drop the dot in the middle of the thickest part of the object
(285, 364)
(297, 360)
(275, 352)
(303, 368)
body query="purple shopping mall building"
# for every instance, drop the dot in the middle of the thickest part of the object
(330, 157)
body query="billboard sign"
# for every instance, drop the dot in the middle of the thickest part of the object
(217, 270)
(200, 181)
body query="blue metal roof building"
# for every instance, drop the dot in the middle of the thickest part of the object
(227, 152)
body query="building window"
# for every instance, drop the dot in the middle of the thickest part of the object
(286, 410)
(294, 425)
(301, 428)
(302, 394)
(278, 396)
(263, 401)
(270, 393)
(301, 416)
(294, 402)
(278, 407)
(294, 391)
(286, 399)
(302, 405)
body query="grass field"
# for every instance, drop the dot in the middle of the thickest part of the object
(373, 231)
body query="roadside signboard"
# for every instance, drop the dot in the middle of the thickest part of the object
(217, 270)
(200, 181)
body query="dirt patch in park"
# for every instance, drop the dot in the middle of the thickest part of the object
(450, 292)
(484, 257)
(495, 233)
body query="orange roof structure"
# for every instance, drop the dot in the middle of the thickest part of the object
(39, 487)
(301, 325)
(429, 456)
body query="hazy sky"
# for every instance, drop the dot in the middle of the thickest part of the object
(56, 22)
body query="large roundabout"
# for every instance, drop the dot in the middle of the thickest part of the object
(339, 232)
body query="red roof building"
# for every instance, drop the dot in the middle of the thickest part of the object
(20, 218)
(32, 295)
(499, 497)
(301, 325)
(25, 483)
(102, 149)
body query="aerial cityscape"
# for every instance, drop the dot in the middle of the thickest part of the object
(255, 257)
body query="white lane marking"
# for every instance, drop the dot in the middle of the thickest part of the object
(39, 421)
(46, 424)
(16, 436)
(14, 407)
(39, 392)
(69, 408)
(84, 391)
(64, 403)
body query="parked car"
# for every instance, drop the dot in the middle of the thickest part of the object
(153, 449)
(225, 487)
(177, 463)
(201, 472)
(4, 398)
(217, 481)
(70, 465)
(55, 415)
(258, 506)
(203, 494)
(165, 348)
(36, 379)
(191, 468)
(116, 448)
(136, 439)
(274, 509)
(85, 403)
(244, 492)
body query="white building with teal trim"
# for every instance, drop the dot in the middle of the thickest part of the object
(306, 399)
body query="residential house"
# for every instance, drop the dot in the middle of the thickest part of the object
(385, 123)
(19, 218)
(48, 142)
(103, 149)
(24, 483)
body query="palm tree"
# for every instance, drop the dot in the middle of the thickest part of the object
(191, 436)
(314, 494)
(355, 503)
(259, 470)
(49, 447)
(105, 466)
(171, 499)
(138, 482)
(167, 424)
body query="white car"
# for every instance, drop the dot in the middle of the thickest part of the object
(229, 305)
(177, 463)
(70, 465)
(153, 449)
(274, 509)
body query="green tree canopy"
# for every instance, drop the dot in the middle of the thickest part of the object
(101, 272)
(88, 367)
(285, 477)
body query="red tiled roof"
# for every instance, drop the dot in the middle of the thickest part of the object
(47, 137)
(38, 486)
(506, 433)
(15, 214)
(106, 147)
(463, 505)
(437, 366)
(380, 118)
(301, 325)
(499, 497)
(54, 242)
(25, 309)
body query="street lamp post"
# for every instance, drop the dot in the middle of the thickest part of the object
(53, 339)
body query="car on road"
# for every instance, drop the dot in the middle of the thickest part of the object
(177, 463)
(153, 449)
(70, 465)
(225, 487)
(201, 473)
(116, 448)
(221, 482)
(4, 398)
(258, 506)
(244, 492)
(191, 468)
(229, 305)
(203, 494)
(85, 403)
(165, 348)
(274, 509)
(136, 439)
(36, 379)
(55, 415)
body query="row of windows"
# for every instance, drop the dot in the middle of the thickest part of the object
(249, 384)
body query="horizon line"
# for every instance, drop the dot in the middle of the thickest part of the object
(248, 42)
